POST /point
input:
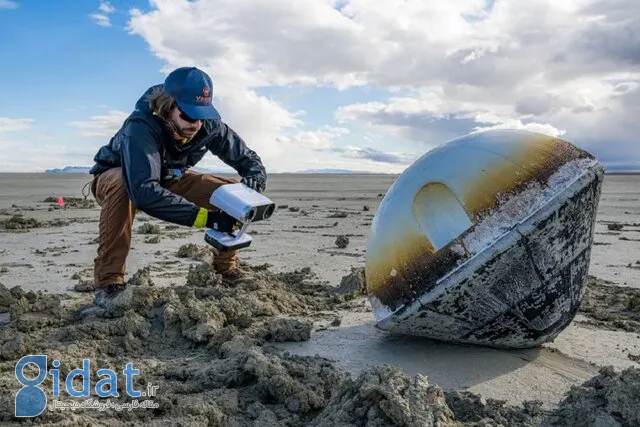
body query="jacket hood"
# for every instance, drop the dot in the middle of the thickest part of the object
(142, 104)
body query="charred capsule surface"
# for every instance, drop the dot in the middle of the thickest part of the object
(485, 239)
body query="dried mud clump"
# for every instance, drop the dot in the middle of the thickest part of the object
(338, 215)
(29, 313)
(141, 277)
(203, 275)
(471, 409)
(609, 399)
(84, 285)
(6, 299)
(18, 222)
(153, 239)
(384, 396)
(195, 252)
(611, 307)
(148, 228)
(342, 241)
(353, 284)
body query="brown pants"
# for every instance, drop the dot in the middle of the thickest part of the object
(117, 214)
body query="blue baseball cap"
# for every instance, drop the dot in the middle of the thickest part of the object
(193, 91)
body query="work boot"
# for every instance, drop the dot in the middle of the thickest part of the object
(105, 294)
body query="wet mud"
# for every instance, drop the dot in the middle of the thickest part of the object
(611, 307)
(20, 222)
(207, 345)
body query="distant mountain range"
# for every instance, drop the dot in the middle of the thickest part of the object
(339, 171)
(623, 172)
(70, 169)
(622, 169)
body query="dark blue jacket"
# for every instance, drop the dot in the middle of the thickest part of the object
(146, 151)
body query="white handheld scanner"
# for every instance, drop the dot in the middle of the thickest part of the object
(244, 204)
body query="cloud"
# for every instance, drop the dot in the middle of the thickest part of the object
(39, 157)
(106, 7)
(33, 157)
(432, 124)
(321, 139)
(490, 122)
(38, 151)
(8, 4)
(368, 153)
(101, 18)
(9, 147)
(102, 126)
(427, 120)
(566, 68)
(13, 125)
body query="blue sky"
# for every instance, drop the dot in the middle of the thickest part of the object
(63, 67)
(349, 85)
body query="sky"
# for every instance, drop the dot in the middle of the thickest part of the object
(363, 85)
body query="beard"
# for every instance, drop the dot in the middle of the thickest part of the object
(181, 132)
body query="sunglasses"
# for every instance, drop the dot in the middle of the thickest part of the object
(186, 118)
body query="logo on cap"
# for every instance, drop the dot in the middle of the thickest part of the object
(205, 98)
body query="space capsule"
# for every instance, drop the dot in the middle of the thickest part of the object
(485, 240)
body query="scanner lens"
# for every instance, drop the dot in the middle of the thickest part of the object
(269, 211)
(250, 215)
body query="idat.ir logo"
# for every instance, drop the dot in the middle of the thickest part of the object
(31, 399)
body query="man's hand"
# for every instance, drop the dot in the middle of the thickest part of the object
(221, 221)
(253, 183)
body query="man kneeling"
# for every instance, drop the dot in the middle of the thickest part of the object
(146, 165)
